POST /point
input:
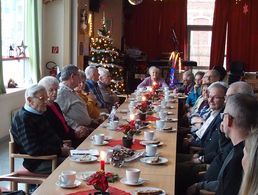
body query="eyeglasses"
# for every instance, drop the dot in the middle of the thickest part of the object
(223, 114)
(217, 97)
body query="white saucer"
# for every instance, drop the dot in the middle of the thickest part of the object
(123, 110)
(145, 155)
(146, 189)
(146, 143)
(106, 138)
(83, 159)
(75, 185)
(103, 144)
(148, 160)
(167, 130)
(170, 113)
(124, 181)
(154, 141)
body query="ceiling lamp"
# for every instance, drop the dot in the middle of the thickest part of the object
(135, 2)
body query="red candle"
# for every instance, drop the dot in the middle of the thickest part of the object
(102, 165)
(102, 160)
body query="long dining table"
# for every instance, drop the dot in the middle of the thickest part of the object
(159, 176)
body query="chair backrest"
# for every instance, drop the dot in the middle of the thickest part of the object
(237, 67)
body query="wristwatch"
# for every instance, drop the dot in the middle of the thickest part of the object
(201, 159)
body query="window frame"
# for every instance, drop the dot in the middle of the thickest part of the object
(191, 28)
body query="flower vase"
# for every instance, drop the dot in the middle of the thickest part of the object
(142, 116)
(127, 142)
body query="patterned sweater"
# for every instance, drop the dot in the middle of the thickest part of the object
(34, 135)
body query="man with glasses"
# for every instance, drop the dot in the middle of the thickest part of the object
(33, 133)
(239, 116)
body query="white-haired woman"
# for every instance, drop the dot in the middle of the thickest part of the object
(155, 76)
(56, 116)
(104, 85)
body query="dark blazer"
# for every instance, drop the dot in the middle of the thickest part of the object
(231, 177)
(209, 132)
(225, 146)
(210, 140)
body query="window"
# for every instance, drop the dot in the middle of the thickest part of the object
(13, 33)
(199, 29)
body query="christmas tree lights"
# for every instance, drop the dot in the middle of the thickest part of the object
(104, 54)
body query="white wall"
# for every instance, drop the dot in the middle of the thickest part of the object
(8, 103)
(56, 32)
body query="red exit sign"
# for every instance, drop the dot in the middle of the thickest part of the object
(55, 49)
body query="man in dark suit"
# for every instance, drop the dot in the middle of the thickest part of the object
(239, 116)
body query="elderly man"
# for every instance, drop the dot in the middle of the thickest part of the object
(72, 106)
(155, 76)
(239, 116)
(34, 134)
(92, 76)
(188, 83)
(210, 77)
(104, 81)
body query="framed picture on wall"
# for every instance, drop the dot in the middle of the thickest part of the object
(109, 24)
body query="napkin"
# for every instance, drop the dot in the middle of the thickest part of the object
(112, 191)
(93, 152)
(136, 145)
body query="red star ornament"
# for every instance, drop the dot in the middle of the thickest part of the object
(22, 49)
(245, 9)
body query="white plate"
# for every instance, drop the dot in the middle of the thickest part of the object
(103, 144)
(148, 160)
(134, 157)
(147, 142)
(170, 113)
(172, 120)
(83, 159)
(106, 138)
(75, 185)
(84, 175)
(146, 189)
(139, 182)
(168, 130)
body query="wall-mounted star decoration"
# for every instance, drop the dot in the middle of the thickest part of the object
(22, 49)
(245, 9)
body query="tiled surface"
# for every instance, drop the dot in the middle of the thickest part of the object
(4, 162)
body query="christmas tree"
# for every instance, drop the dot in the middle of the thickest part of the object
(104, 54)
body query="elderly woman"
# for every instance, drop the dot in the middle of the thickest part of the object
(55, 114)
(104, 81)
(155, 76)
(92, 105)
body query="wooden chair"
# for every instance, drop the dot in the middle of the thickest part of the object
(205, 192)
(23, 175)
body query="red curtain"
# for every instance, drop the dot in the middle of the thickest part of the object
(243, 34)
(242, 42)
(149, 26)
(219, 28)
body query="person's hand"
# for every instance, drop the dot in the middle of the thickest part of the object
(193, 189)
(195, 88)
(196, 160)
(81, 132)
(196, 155)
(65, 151)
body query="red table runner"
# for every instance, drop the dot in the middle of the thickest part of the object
(136, 145)
(112, 191)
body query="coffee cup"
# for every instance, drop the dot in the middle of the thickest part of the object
(151, 149)
(113, 124)
(160, 124)
(67, 178)
(148, 135)
(132, 175)
(98, 138)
